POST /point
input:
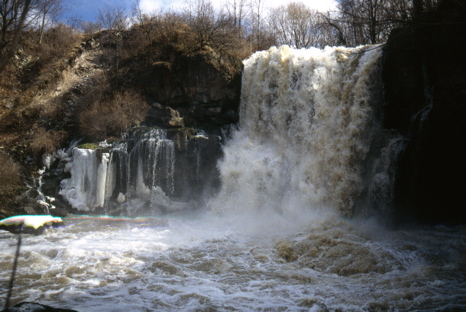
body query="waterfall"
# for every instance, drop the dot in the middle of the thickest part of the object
(150, 171)
(85, 190)
(139, 166)
(308, 131)
(151, 162)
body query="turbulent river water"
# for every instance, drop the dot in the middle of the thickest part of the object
(255, 263)
(302, 221)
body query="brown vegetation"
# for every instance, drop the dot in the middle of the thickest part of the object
(32, 72)
(43, 141)
(10, 178)
(161, 35)
(102, 117)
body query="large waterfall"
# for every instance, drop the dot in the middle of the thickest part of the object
(309, 136)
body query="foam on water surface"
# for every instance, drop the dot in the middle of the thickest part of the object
(209, 262)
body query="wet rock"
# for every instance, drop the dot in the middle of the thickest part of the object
(35, 307)
(59, 212)
(425, 85)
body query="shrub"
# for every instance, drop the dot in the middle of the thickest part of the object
(43, 141)
(10, 178)
(57, 41)
(113, 116)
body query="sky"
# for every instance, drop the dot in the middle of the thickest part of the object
(88, 9)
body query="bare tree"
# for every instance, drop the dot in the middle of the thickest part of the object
(148, 23)
(89, 27)
(7, 56)
(295, 25)
(211, 28)
(10, 13)
(113, 17)
(257, 12)
(333, 29)
(49, 11)
(236, 10)
(370, 21)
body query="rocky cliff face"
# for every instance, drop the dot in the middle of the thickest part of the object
(197, 91)
(189, 91)
(425, 85)
(186, 87)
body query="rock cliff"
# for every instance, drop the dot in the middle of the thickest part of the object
(188, 90)
(425, 88)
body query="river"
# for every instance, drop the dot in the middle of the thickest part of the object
(210, 263)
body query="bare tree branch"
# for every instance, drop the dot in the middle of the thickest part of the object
(12, 48)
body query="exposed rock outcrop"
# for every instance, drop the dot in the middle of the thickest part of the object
(425, 85)
(200, 90)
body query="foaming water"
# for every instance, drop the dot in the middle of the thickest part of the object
(208, 263)
(308, 121)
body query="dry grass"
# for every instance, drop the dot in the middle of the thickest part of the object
(43, 141)
(32, 72)
(112, 116)
(10, 178)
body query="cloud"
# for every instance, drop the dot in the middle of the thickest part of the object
(323, 6)
(319, 5)
(149, 6)
(88, 9)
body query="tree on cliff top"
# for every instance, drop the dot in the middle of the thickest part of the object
(210, 27)
(48, 12)
(296, 25)
(371, 21)
(113, 17)
(10, 15)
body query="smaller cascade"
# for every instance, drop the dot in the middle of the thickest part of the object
(85, 190)
(150, 171)
(117, 177)
(42, 200)
(41, 196)
(151, 162)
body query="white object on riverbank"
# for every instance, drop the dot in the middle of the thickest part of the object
(29, 223)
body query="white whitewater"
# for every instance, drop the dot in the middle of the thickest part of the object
(105, 265)
(307, 125)
(145, 171)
